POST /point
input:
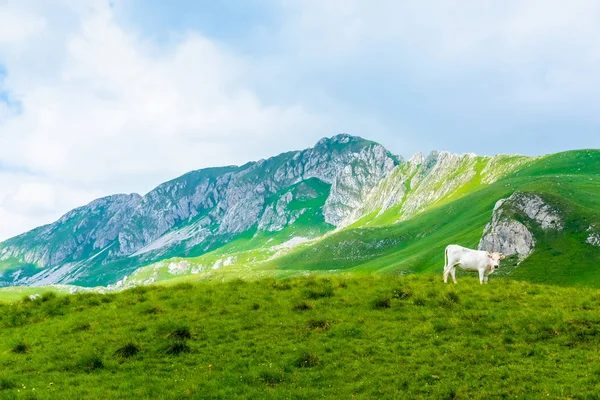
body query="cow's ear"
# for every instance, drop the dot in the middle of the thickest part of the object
(489, 255)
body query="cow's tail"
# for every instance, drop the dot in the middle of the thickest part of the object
(445, 259)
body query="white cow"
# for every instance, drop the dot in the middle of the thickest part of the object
(470, 260)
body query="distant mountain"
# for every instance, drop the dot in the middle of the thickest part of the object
(198, 212)
(344, 204)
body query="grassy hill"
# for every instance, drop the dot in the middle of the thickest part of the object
(569, 182)
(345, 336)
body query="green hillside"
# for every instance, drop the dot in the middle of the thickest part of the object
(569, 182)
(339, 337)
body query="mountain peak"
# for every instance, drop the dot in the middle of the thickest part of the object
(341, 138)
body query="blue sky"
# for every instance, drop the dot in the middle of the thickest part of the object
(461, 111)
(119, 96)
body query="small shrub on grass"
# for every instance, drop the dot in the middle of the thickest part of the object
(127, 351)
(107, 298)
(65, 300)
(320, 294)
(6, 384)
(303, 306)
(20, 348)
(307, 360)
(351, 332)
(183, 286)
(282, 286)
(181, 333)
(401, 294)
(382, 302)
(53, 309)
(90, 363)
(177, 348)
(319, 324)
(153, 309)
(48, 296)
(453, 297)
(139, 290)
(419, 301)
(270, 377)
(26, 299)
(81, 326)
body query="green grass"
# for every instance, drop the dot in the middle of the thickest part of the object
(345, 336)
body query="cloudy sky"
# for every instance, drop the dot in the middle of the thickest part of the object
(99, 97)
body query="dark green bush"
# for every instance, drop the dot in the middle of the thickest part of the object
(128, 350)
(307, 360)
(382, 302)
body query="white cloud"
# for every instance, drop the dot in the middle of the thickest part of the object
(122, 114)
(16, 26)
(28, 201)
(101, 109)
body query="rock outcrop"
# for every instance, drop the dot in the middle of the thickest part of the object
(415, 185)
(506, 233)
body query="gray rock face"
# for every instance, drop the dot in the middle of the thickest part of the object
(417, 184)
(509, 236)
(506, 236)
(593, 239)
(202, 207)
(93, 227)
(535, 208)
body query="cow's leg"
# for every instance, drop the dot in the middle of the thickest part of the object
(453, 272)
(481, 274)
(447, 269)
(485, 278)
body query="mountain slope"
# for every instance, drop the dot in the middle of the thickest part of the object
(345, 204)
(197, 212)
(568, 183)
(563, 188)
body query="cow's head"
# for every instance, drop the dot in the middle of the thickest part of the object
(494, 259)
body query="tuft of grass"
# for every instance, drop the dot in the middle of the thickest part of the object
(382, 302)
(20, 348)
(183, 286)
(6, 384)
(152, 309)
(401, 294)
(326, 292)
(177, 348)
(47, 296)
(181, 333)
(307, 360)
(128, 350)
(282, 286)
(90, 363)
(319, 324)
(453, 297)
(303, 306)
(270, 377)
(81, 326)
(419, 301)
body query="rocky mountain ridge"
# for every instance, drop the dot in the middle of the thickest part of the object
(338, 202)
(199, 211)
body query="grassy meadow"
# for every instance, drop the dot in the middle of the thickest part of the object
(344, 336)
